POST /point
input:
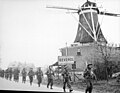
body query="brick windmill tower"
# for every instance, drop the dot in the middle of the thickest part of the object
(88, 32)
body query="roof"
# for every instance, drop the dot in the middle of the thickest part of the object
(88, 3)
(55, 64)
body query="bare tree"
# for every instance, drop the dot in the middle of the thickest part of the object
(105, 53)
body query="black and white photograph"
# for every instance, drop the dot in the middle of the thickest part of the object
(60, 46)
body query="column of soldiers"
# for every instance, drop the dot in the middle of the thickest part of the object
(66, 78)
(9, 73)
(88, 75)
(31, 74)
(15, 73)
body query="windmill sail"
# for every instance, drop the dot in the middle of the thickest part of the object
(89, 28)
(100, 35)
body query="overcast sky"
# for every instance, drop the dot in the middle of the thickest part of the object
(32, 33)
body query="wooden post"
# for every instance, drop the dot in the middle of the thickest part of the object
(74, 75)
(58, 71)
(74, 67)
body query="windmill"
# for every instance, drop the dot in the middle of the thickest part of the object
(89, 29)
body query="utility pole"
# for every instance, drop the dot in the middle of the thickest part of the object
(66, 49)
(58, 71)
(74, 67)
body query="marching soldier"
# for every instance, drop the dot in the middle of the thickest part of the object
(89, 75)
(31, 74)
(10, 73)
(50, 76)
(66, 79)
(2, 73)
(24, 74)
(39, 75)
(118, 78)
(7, 73)
(16, 75)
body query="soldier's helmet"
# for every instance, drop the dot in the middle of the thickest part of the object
(31, 68)
(89, 66)
(50, 67)
(24, 68)
(39, 68)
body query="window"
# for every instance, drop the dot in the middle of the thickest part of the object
(78, 52)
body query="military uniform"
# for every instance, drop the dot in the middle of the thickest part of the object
(16, 75)
(31, 74)
(50, 76)
(6, 74)
(66, 80)
(2, 73)
(88, 75)
(118, 78)
(39, 75)
(24, 74)
(10, 73)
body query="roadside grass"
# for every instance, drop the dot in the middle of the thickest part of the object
(98, 87)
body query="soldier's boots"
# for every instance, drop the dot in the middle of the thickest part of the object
(47, 86)
(30, 83)
(64, 90)
(51, 87)
(38, 85)
(70, 90)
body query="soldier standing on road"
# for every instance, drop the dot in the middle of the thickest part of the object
(31, 74)
(66, 79)
(39, 75)
(50, 76)
(89, 75)
(24, 74)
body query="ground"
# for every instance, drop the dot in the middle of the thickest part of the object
(11, 85)
(79, 87)
(98, 87)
